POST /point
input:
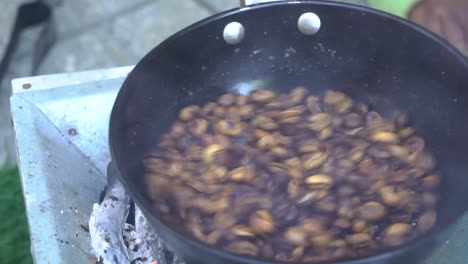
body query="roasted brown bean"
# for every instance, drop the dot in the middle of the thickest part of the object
(310, 146)
(372, 211)
(267, 142)
(280, 152)
(175, 169)
(290, 120)
(228, 128)
(367, 166)
(260, 133)
(246, 111)
(294, 188)
(319, 121)
(322, 240)
(296, 172)
(393, 196)
(338, 102)
(243, 231)
(312, 196)
(353, 120)
(210, 206)
(262, 96)
(360, 131)
(208, 109)
(177, 130)
(313, 161)
(399, 177)
(224, 220)
(262, 222)
(342, 223)
(325, 134)
(264, 122)
(199, 127)
(297, 253)
(313, 226)
(298, 94)
(189, 112)
(293, 162)
(211, 151)
(397, 230)
(242, 174)
(362, 108)
(227, 99)
(243, 248)
(326, 205)
(296, 236)
(359, 226)
(406, 132)
(319, 181)
(400, 152)
(232, 113)
(155, 165)
(426, 221)
(356, 154)
(313, 105)
(156, 186)
(215, 174)
(242, 99)
(213, 237)
(385, 137)
(379, 152)
(359, 240)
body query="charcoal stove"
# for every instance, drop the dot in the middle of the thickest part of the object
(61, 127)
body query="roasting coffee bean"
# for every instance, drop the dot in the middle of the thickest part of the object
(293, 177)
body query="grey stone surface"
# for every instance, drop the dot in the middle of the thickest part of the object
(124, 39)
(143, 29)
(7, 20)
(90, 50)
(220, 5)
(76, 17)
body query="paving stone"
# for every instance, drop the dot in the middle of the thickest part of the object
(220, 5)
(143, 29)
(91, 50)
(7, 20)
(76, 16)
(124, 39)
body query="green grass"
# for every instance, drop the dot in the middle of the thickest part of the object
(14, 233)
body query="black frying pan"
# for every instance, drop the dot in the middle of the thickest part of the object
(384, 60)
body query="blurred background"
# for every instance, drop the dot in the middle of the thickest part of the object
(82, 35)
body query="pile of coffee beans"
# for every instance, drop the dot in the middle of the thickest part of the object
(294, 177)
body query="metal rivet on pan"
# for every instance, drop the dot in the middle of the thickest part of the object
(234, 33)
(309, 23)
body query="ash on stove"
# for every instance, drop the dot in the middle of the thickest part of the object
(115, 240)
